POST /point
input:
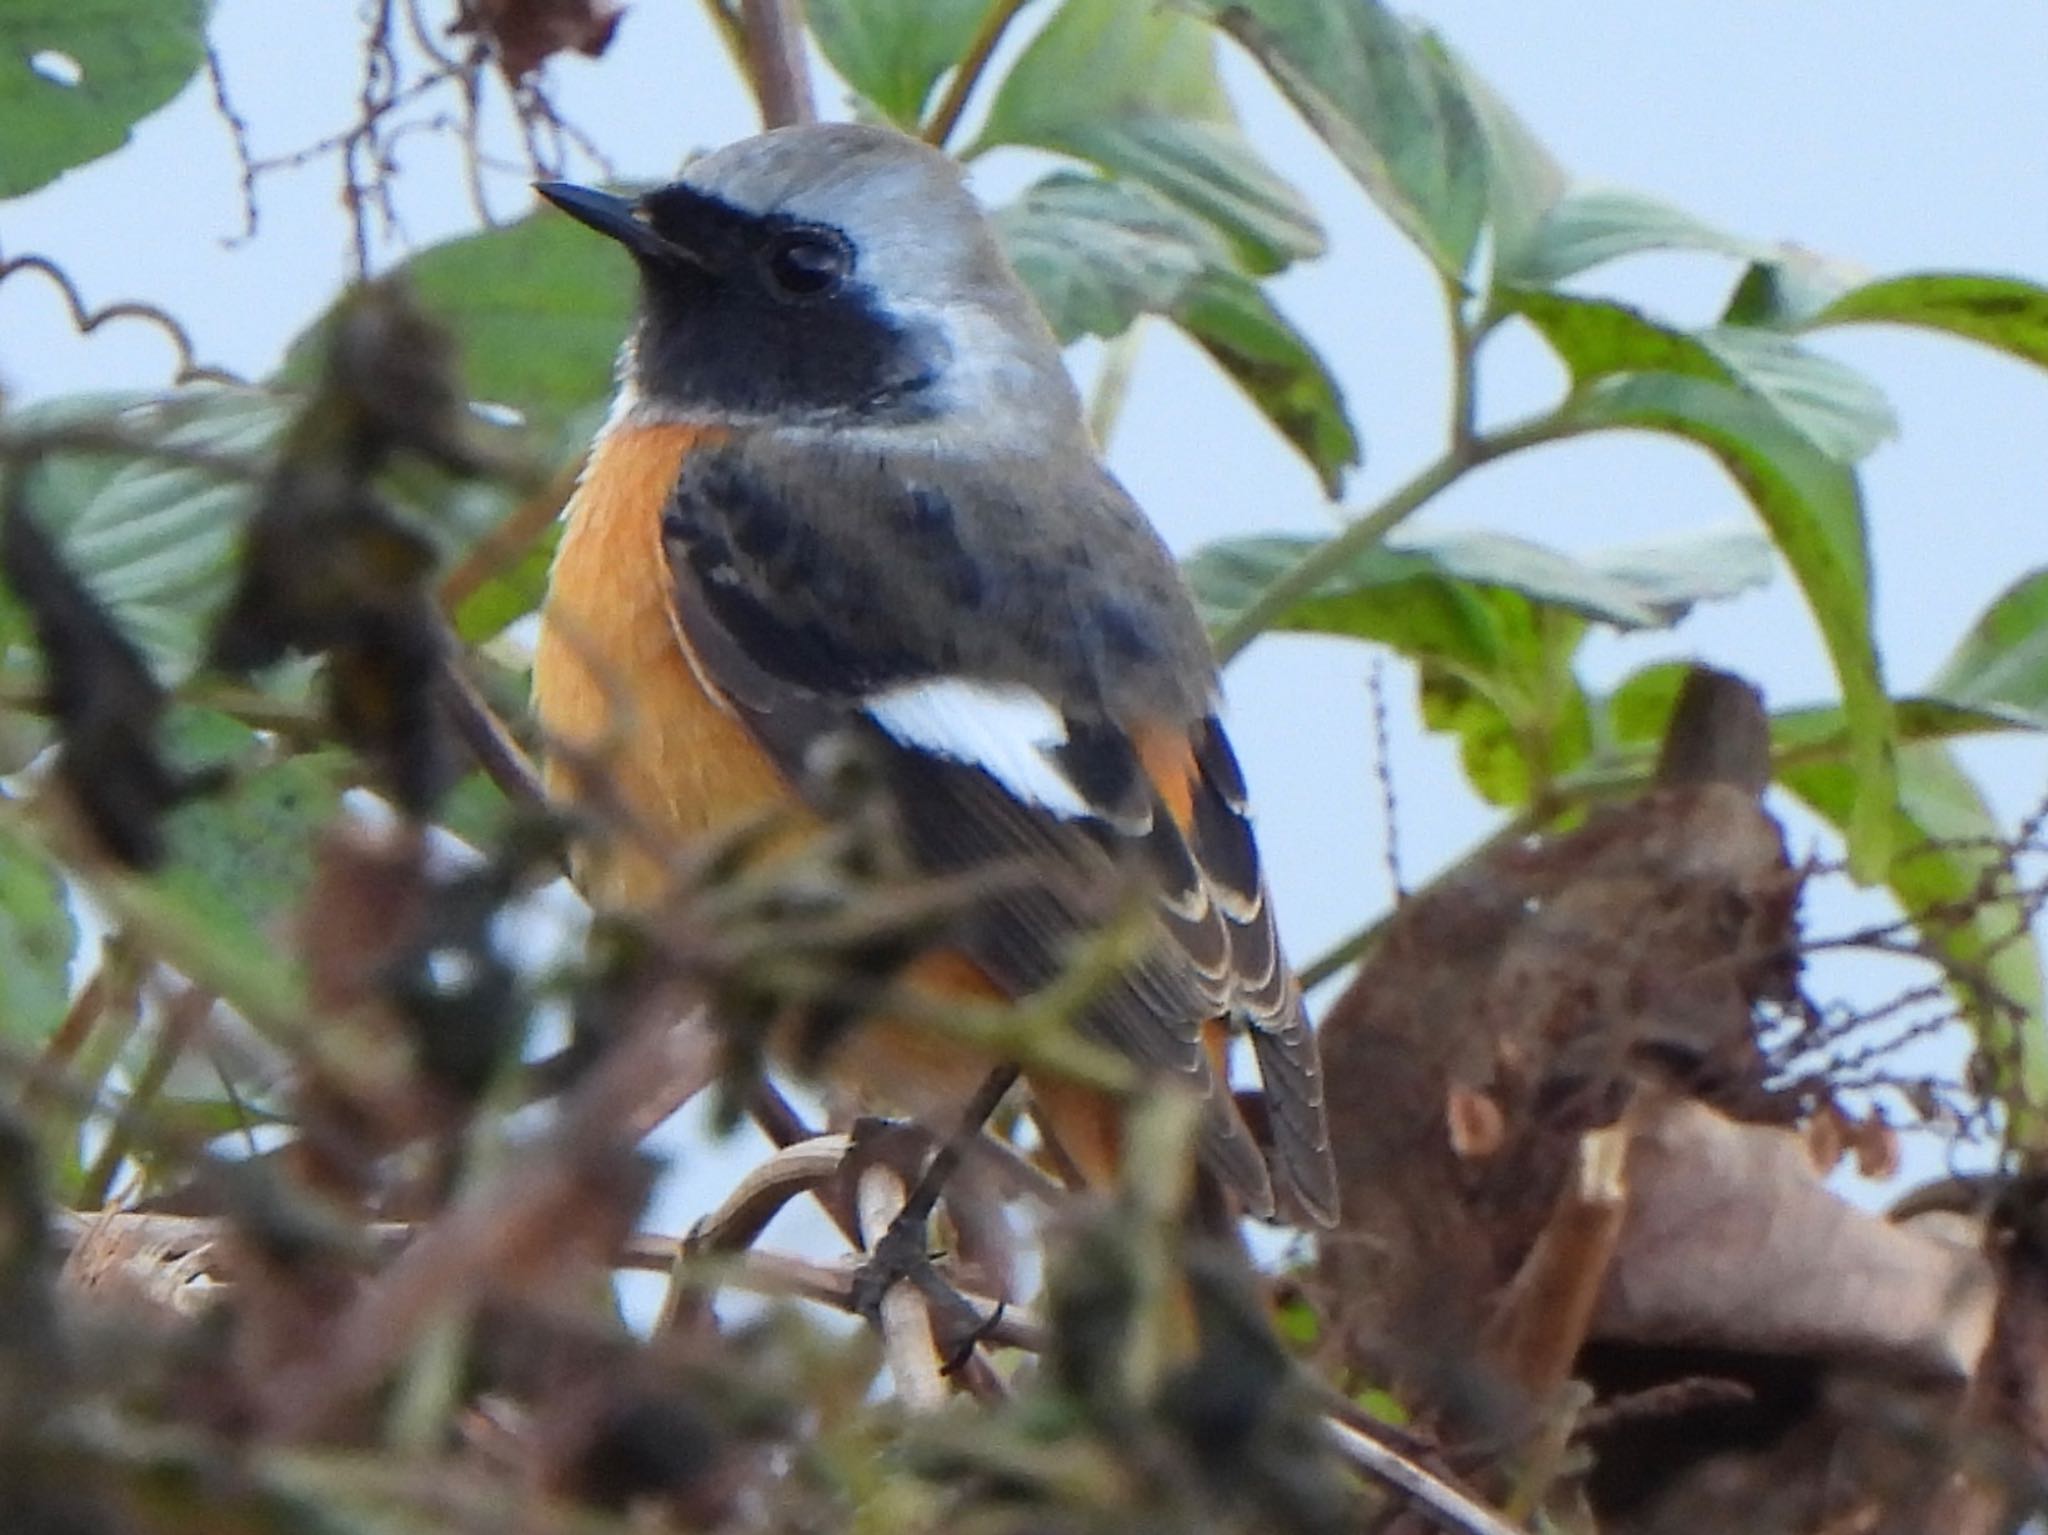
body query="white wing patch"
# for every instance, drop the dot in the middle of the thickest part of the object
(1007, 730)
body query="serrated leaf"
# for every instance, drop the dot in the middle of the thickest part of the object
(1813, 508)
(1785, 290)
(1390, 106)
(2002, 663)
(2007, 313)
(1493, 622)
(893, 54)
(240, 861)
(1411, 589)
(77, 75)
(1134, 89)
(1232, 320)
(1833, 406)
(538, 308)
(1591, 225)
(1096, 254)
(37, 937)
(1523, 179)
(154, 540)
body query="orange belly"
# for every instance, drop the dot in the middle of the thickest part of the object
(622, 711)
(626, 719)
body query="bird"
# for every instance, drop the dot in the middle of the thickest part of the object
(846, 500)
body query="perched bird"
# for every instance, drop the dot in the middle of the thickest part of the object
(847, 495)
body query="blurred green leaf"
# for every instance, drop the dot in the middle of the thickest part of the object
(1813, 508)
(77, 75)
(1592, 225)
(1787, 288)
(1232, 320)
(1414, 594)
(1523, 720)
(1831, 405)
(1950, 879)
(538, 308)
(1390, 105)
(155, 541)
(1096, 254)
(892, 53)
(2007, 313)
(239, 862)
(1134, 89)
(1493, 622)
(37, 937)
(2002, 663)
(1523, 179)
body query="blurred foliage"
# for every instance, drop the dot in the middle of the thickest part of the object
(229, 609)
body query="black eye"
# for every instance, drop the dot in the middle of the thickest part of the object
(806, 263)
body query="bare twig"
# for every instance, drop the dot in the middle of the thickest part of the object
(86, 319)
(946, 116)
(1450, 1508)
(490, 742)
(238, 136)
(903, 1317)
(776, 66)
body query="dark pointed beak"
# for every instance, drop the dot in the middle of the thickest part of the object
(616, 217)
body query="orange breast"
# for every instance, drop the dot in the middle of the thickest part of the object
(623, 712)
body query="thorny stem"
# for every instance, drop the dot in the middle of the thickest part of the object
(1333, 554)
(946, 116)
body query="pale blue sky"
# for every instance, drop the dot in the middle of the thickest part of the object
(1887, 134)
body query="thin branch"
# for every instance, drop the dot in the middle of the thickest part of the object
(946, 116)
(238, 135)
(776, 64)
(85, 319)
(491, 742)
(902, 1316)
(1333, 554)
(1450, 1508)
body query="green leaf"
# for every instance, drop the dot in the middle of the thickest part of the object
(1813, 508)
(1388, 103)
(1096, 254)
(1134, 89)
(1591, 225)
(1828, 403)
(240, 861)
(1523, 179)
(1493, 622)
(1946, 864)
(538, 307)
(2007, 313)
(1833, 406)
(1232, 320)
(892, 53)
(1524, 720)
(155, 541)
(1785, 290)
(2002, 663)
(77, 75)
(1414, 593)
(37, 937)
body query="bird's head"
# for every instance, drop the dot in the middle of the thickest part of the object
(837, 276)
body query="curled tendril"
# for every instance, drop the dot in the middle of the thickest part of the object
(86, 319)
